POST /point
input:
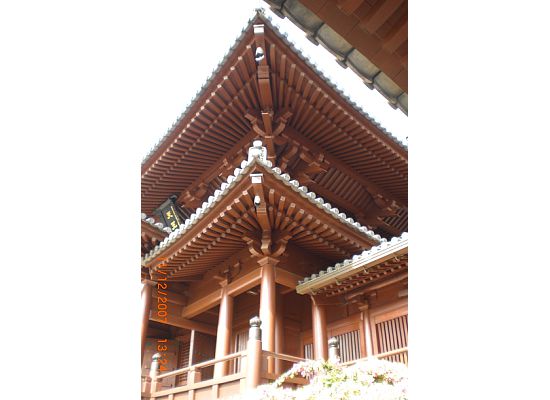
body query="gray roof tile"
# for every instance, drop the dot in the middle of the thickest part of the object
(158, 225)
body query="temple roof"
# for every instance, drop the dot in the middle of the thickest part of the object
(372, 265)
(231, 217)
(369, 37)
(257, 18)
(368, 167)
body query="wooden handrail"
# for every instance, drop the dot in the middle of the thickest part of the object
(199, 385)
(297, 380)
(391, 353)
(284, 357)
(380, 355)
(202, 364)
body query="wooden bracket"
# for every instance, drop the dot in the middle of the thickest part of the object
(228, 274)
(193, 198)
(263, 123)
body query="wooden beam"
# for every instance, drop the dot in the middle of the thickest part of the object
(265, 91)
(244, 283)
(321, 300)
(202, 304)
(212, 299)
(287, 278)
(171, 297)
(185, 323)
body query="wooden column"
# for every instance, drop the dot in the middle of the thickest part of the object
(225, 326)
(192, 347)
(319, 322)
(279, 332)
(267, 306)
(365, 316)
(146, 292)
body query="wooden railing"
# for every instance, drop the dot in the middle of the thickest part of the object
(217, 387)
(257, 366)
(203, 364)
(280, 356)
(273, 375)
(397, 355)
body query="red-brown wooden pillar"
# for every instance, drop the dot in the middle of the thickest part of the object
(365, 316)
(146, 292)
(225, 326)
(268, 306)
(319, 325)
(279, 332)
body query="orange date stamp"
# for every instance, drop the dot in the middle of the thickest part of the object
(162, 312)
(162, 348)
(162, 290)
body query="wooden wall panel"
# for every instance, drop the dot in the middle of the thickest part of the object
(386, 296)
(229, 389)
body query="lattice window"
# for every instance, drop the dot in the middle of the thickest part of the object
(350, 346)
(308, 351)
(392, 334)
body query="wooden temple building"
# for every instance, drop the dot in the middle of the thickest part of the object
(272, 196)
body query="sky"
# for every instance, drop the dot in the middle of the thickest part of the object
(189, 42)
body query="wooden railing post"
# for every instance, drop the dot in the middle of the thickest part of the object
(193, 376)
(334, 350)
(152, 384)
(254, 357)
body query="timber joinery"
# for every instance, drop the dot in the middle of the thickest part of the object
(296, 206)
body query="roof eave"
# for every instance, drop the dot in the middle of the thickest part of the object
(360, 264)
(246, 166)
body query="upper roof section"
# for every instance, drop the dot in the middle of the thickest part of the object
(265, 89)
(369, 36)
